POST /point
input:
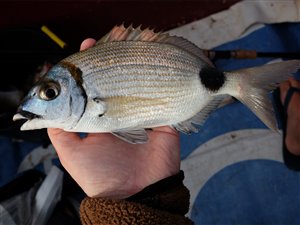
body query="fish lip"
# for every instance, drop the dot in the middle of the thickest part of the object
(23, 114)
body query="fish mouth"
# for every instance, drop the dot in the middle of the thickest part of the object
(22, 114)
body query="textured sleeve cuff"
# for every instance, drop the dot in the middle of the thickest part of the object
(164, 202)
(168, 194)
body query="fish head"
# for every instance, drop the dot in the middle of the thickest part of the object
(55, 101)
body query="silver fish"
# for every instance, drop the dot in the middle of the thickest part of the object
(134, 79)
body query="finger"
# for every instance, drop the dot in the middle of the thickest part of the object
(87, 43)
(103, 136)
(284, 86)
(295, 83)
(166, 129)
(62, 140)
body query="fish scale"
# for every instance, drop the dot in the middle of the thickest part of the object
(132, 64)
(155, 56)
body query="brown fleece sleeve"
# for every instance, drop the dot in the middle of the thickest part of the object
(164, 202)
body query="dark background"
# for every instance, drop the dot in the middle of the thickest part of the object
(73, 21)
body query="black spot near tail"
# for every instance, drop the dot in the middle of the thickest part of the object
(212, 78)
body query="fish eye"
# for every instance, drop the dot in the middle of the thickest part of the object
(49, 91)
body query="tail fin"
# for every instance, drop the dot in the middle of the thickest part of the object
(254, 85)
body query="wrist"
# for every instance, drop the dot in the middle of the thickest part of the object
(168, 194)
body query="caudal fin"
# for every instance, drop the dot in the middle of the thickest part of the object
(253, 85)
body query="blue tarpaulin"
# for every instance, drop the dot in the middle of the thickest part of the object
(254, 191)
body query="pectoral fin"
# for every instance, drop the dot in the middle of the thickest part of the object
(96, 107)
(138, 136)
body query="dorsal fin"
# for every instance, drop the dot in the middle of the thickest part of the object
(121, 33)
(185, 45)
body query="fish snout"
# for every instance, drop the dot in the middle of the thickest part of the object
(23, 114)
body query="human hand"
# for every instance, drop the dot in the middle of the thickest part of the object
(292, 139)
(105, 166)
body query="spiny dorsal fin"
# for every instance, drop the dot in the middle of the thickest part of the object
(121, 33)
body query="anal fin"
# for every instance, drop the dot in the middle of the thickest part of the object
(138, 136)
(188, 127)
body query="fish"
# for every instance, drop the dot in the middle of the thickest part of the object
(135, 79)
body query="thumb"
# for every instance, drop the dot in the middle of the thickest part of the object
(87, 43)
(62, 140)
